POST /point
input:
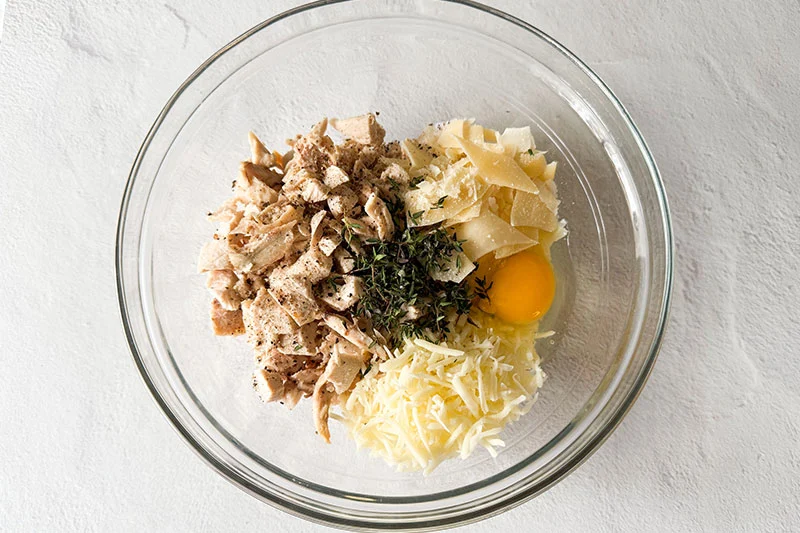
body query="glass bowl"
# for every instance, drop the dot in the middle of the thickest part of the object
(415, 62)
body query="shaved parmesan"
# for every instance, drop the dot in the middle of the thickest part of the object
(450, 193)
(457, 268)
(486, 234)
(452, 131)
(507, 251)
(547, 238)
(547, 194)
(416, 154)
(517, 140)
(534, 165)
(476, 134)
(498, 169)
(530, 210)
(550, 171)
(473, 211)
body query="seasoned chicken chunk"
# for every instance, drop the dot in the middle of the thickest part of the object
(363, 129)
(222, 284)
(259, 155)
(263, 317)
(226, 322)
(295, 297)
(380, 217)
(344, 295)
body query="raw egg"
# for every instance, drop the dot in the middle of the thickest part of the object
(522, 287)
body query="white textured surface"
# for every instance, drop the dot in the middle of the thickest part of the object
(712, 444)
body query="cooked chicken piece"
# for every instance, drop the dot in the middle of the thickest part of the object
(258, 193)
(226, 322)
(263, 318)
(311, 151)
(251, 171)
(259, 155)
(381, 217)
(368, 166)
(295, 298)
(248, 285)
(214, 256)
(323, 396)
(264, 250)
(344, 261)
(344, 365)
(302, 342)
(314, 191)
(306, 379)
(392, 150)
(291, 394)
(363, 129)
(363, 190)
(342, 202)
(335, 176)
(312, 266)
(270, 217)
(352, 333)
(345, 295)
(316, 227)
(328, 244)
(228, 215)
(395, 175)
(361, 227)
(268, 385)
(279, 362)
(221, 284)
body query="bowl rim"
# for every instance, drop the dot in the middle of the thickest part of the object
(509, 501)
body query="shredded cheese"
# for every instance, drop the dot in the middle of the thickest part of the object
(431, 402)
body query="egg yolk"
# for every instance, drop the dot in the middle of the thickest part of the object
(522, 287)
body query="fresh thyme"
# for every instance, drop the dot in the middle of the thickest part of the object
(400, 297)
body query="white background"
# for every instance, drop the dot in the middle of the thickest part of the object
(711, 445)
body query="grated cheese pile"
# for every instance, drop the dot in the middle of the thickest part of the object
(431, 402)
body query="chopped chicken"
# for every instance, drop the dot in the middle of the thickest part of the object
(335, 176)
(313, 190)
(328, 244)
(306, 379)
(352, 333)
(294, 296)
(323, 396)
(345, 363)
(259, 155)
(226, 322)
(343, 202)
(380, 216)
(264, 317)
(214, 256)
(316, 227)
(221, 283)
(301, 342)
(268, 385)
(363, 129)
(251, 172)
(312, 266)
(343, 296)
(264, 250)
(280, 260)
(344, 261)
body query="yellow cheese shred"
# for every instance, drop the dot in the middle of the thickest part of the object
(432, 402)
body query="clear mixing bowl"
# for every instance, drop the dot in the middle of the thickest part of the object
(415, 62)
